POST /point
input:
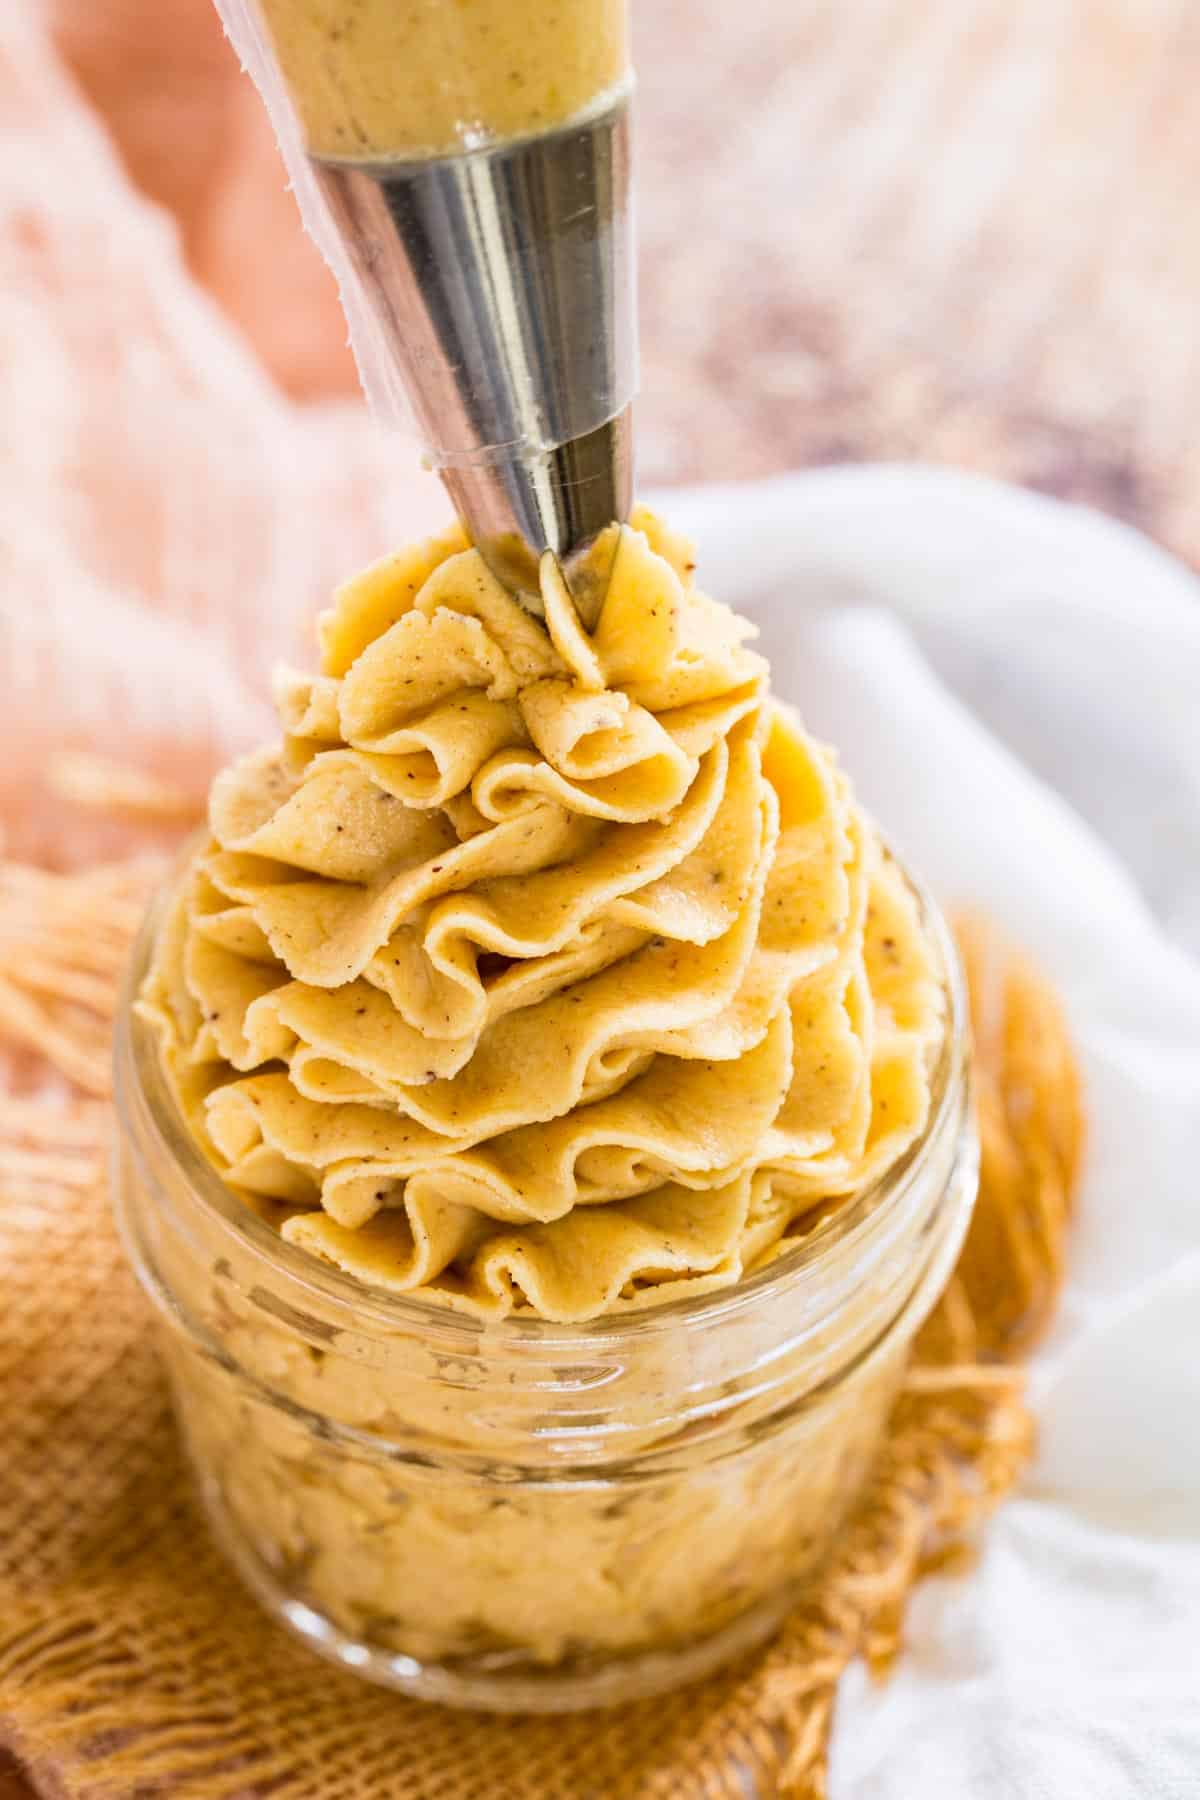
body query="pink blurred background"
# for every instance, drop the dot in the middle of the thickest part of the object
(954, 229)
(958, 229)
(949, 229)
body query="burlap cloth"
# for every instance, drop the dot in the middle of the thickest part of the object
(132, 1663)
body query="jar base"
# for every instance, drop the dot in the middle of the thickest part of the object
(556, 1690)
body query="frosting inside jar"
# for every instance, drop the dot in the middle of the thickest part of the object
(546, 965)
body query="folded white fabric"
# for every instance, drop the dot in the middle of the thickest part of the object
(1015, 687)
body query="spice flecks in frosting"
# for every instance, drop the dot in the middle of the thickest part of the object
(540, 968)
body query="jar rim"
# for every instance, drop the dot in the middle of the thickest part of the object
(146, 1109)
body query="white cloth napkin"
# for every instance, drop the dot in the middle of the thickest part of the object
(1015, 687)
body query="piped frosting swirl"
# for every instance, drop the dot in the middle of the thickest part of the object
(542, 967)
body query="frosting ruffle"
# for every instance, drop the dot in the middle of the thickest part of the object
(541, 967)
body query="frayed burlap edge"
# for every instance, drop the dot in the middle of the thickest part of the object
(130, 1662)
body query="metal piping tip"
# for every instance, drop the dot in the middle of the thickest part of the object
(503, 283)
(518, 505)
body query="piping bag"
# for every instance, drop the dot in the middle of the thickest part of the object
(464, 166)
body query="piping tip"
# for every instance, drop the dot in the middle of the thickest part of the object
(501, 284)
(520, 504)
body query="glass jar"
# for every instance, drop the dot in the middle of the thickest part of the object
(517, 1515)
